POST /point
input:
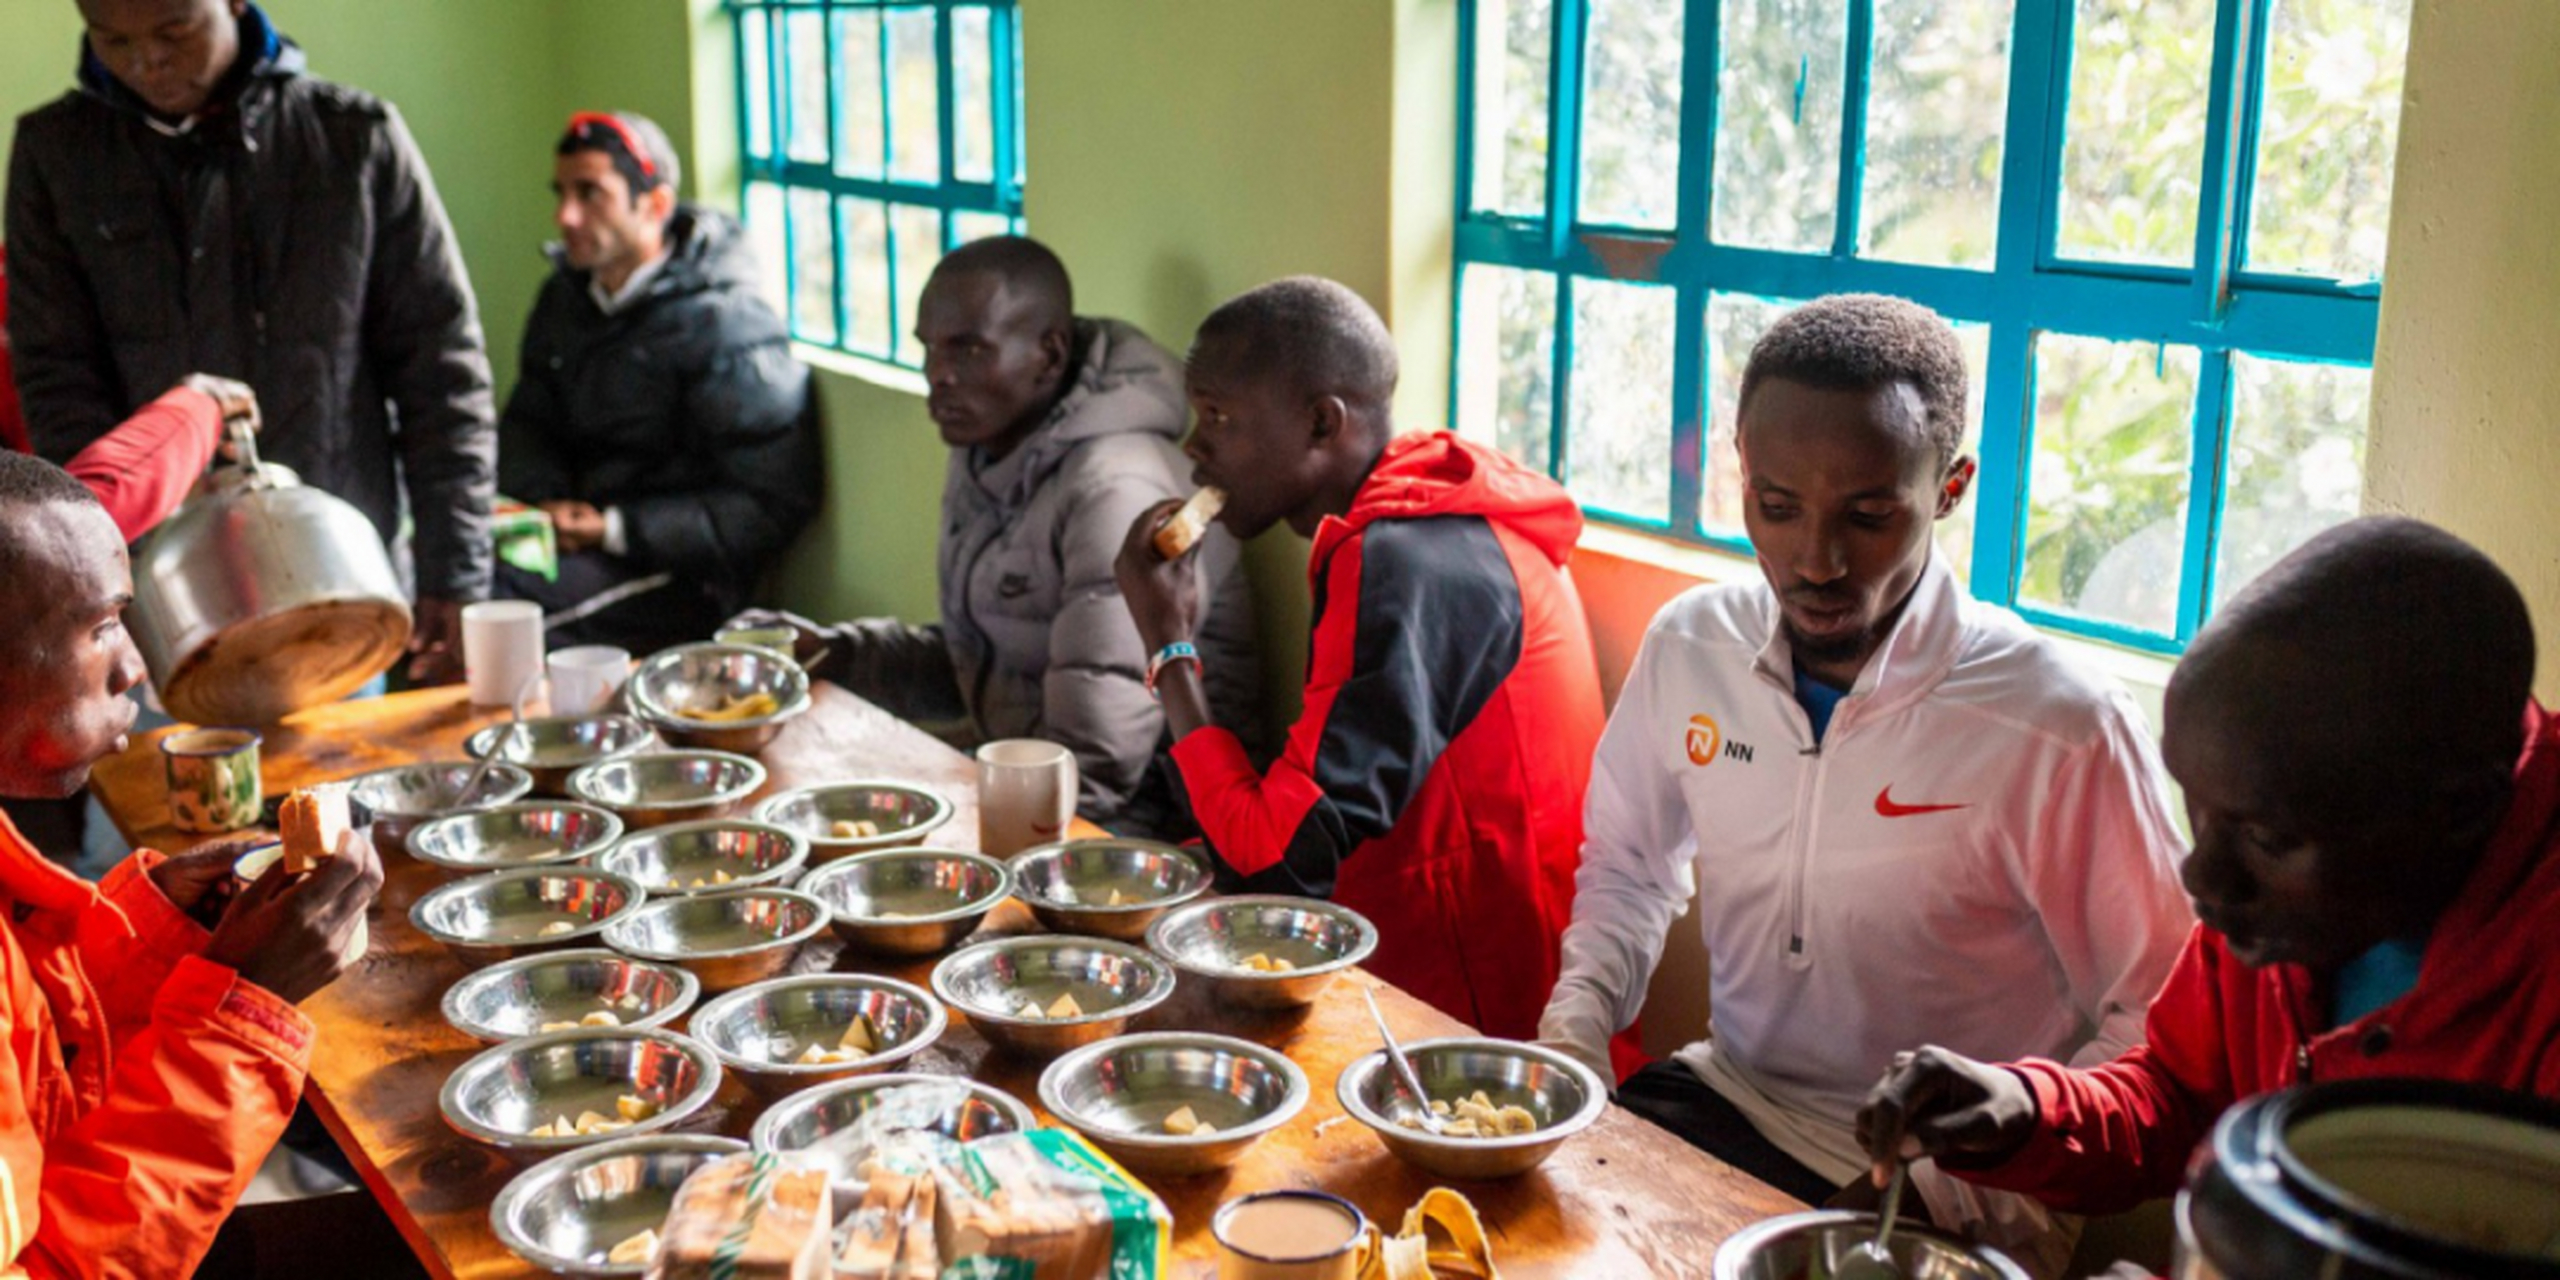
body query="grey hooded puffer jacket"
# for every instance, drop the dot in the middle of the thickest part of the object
(1034, 639)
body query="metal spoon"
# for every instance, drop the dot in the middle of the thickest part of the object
(1405, 1076)
(498, 745)
(1873, 1260)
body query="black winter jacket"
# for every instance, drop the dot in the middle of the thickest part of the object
(684, 408)
(292, 240)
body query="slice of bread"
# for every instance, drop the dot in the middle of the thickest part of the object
(311, 820)
(1185, 527)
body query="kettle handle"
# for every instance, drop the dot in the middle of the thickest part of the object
(241, 431)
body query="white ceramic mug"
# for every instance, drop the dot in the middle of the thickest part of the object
(1026, 795)
(1292, 1235)
(263, 859)
(501, 649)
(585, 677)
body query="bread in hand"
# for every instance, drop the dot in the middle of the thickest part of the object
(311, 820)
(1184, 528)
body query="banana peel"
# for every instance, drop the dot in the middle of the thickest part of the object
(1409, 1255)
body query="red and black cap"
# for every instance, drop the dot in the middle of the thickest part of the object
(639, 148)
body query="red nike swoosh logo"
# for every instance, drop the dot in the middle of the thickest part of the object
(1886, 808)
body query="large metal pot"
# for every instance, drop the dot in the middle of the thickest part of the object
(262, 596)
(2386, 1179)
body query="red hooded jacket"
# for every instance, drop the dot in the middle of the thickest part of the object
(1434, 781)
(2486, 1010)
(140, 1083)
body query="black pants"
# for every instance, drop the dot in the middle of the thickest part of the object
(1673, 1097)
(677, 612)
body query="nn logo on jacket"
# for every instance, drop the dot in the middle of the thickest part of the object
(1706, 743)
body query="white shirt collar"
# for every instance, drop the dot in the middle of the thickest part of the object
(1915, 654)
(616, 300)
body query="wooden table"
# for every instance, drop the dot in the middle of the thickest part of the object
(1623, 1199)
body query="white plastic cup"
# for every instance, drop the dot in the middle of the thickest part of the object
(1026, 795)
(501, 649)
(585, 677)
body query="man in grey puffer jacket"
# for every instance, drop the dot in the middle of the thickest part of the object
(1062, 429)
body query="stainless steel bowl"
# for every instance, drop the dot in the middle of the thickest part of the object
(955, 1107)
(1212, 939)
(504, 1094)
(528, 833)
(708, 857)
(760, 1031)
(904, 814)
(1070, 885)
(403, 796)
(1812, 1244)
(668, 786)
(990, 982)
(566, 1213)
(909, 902)
(672, 686)
(1119, 1092)
(504, 914)
(550, 748)
(519, 998)
(726, 939)
(1563, 1094)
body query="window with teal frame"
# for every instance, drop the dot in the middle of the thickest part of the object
(876, 136)
(2157, 226)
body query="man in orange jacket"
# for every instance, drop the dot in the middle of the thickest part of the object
(149, 1065)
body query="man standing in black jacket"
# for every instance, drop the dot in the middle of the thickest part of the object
(660, 417)
(199, 203)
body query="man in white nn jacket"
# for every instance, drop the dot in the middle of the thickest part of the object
(1906, 816)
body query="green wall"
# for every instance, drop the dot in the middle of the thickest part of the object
(1180, 152)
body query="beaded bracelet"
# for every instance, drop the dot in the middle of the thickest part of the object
(1178, 651)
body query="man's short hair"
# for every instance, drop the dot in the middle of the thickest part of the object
(27, 482)
(638, 148)
(1325, 338)
(2414, 635)
(1865, 342)
(1028, 268)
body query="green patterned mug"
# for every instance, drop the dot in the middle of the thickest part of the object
(213, 779)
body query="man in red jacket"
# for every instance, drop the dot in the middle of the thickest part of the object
(1434, 779)
(2376, 869)
(147, 1065)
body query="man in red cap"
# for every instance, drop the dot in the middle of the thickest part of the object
(659, 416)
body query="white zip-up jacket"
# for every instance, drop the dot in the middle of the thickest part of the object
(1980, 853)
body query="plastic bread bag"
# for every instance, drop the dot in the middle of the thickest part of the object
(1046, 1206)
(756, 1216)
(911, 1128)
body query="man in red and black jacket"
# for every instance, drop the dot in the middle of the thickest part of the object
(1434, 780)
(2376, 804)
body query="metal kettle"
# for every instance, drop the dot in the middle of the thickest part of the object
(262, 596)
(2376, 1179)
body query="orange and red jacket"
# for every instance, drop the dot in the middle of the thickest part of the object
(143, 1083)
(1434, 781)
(2485, 1010)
